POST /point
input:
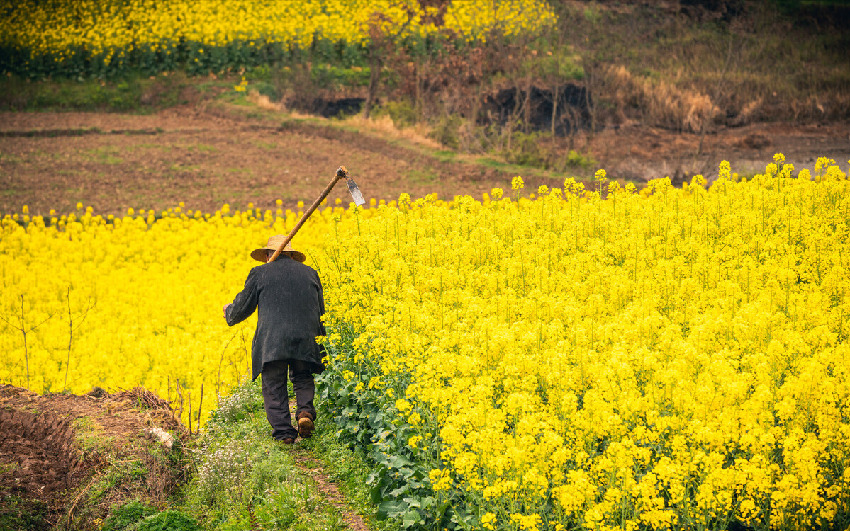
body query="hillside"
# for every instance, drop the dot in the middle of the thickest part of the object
(671, 87)
(206, 156)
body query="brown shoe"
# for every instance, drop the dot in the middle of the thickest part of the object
(288, 440)
(305, 426)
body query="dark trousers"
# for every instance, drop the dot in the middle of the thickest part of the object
(276, 395)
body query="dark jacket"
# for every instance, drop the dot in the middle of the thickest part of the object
(290, 301)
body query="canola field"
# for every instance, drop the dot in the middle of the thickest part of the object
(560, 358)
(669, 359)
(133, 300)
(93, 37)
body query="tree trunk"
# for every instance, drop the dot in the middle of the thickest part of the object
(590, 108)
(526, 115)
(375, 66)
(555, 90)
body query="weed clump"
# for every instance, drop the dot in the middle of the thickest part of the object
(245, 400)
(136, 516)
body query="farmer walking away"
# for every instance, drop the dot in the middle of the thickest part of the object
(287, 295)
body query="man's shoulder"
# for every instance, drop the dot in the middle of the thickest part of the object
(255, 271)
(304, 267)
(291, 265)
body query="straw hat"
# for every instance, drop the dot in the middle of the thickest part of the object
(274, 242)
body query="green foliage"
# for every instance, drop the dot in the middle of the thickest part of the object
(402, 113)
(535, 150)
(561, 67)
(136, 516)
(121, 473)
(592, 14)
(90, 436)
(191, 57)
(396, 438)
(555, 62)
(245, 400)
(526, 150)
(169, 520)
(122, 517)
(245, 479)
(329, 75)
(447, 131)
(84, 95)
(348, 468)
(133, 94)
(268, 90)
(578, 160)
(445, 155)
(225, 468)
(22, 515)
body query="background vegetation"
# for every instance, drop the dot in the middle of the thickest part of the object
(487, 83)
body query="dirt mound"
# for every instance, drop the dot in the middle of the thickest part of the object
(41, 445)
(67, 458)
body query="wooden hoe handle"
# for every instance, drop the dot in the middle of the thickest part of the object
(341, 173)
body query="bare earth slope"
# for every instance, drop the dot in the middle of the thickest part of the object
(112, 162)
(206, 157)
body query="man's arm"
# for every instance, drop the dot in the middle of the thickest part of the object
(245, 302)
(321, 306)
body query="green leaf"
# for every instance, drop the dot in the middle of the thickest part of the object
(413, 502)
(397, 493)
(399, 462)
(391, 509)
(411, 518)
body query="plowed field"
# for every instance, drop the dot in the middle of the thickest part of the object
(50, 445)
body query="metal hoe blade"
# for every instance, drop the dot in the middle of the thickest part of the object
(355, 192)
(352, 188)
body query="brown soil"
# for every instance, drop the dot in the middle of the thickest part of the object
(209, 155)
(205, 158)
(54, 448)
(56, 451)
(640, 153)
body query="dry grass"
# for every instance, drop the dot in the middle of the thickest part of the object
(384, 126)
(750, 110)
(262, 101)
(662, 103)
(711, 66)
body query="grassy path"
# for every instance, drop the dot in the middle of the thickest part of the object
(245, 480)
(311, 467)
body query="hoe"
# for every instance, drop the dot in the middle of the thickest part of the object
(341, 173)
